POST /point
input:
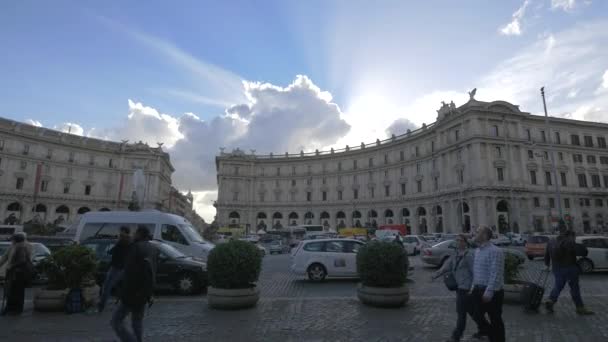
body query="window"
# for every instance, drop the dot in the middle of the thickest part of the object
(500, 174)
(339, 195)
(293, 170)
(385, 173)
(498, 152)
(417, 151)
(560, 155)
(309, 181)
(436, 183)
(386, 159)
(546, 155)
(599, 202)
(564, 179)
(309, 169)
(528, 135)
(339, 166)
(584, 202)
(325, 195)
(387, 191)
(591, 160)
(262, 171)
(19, 184)
(434, 164)
(1, 145)
(87, 190)
(235, 196)
(461, 176)
(26, 149)
(371, 162)
(605, 181)
(355, 193)
(354, 179)
(236, 170)
(603, 160)
(536, 202)
(595, 181)
(324, 180)
(432, 146)
(552, 202)
(567, 203)
(278, 171)
(171, 233)
(334, 247)
(401, 156)
(293, 196)
(44, 186)
(277, 196)
(70, 172)
(558, 139)
(402, 188)
(574, 140)
(418, 168)
(530, 154)
(543, 136)
(371, 176)
(49, 153)
(459, 155)
(403, 171)
(354, 164)
(533, 177)
(23, 165)
(91, 160)
(71, 157)
(588, 141)
(601, 142)
(456, 135)
(577, 158)
(66, 188)
(339, 179)
(495, 131)
(372, 192)
(548, 178)
(419, 186)
(352, 246)
(582, 180)
(262, 196)
(110, 163)
(308, 196)
(314, 246)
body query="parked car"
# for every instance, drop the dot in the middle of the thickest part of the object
(261, 248)
(516, 239)
(415, 243)
(326, 258)
(536, 246)
(597, 259)
(53, 243)
(501, 240)
(277, 247)
(39, 253)
(440, 252)
(446, 237)
(174, 271)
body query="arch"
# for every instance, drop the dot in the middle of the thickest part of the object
(83, 210)
(437, 210)
(358, 224)
(372, 213)
(234, 215)
(502, 205)
(277, 215)
(293, 215)
(388, 213)
(261, 215)
(324, 215)
(502, 220)
(340, 215)
(356, 214)
(62, 209)
(104, 209)
(40, 208)
(405, 212)
(15, 206)
(421, 211)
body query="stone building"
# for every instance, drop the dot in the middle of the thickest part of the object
(50, 176)
(483, 163)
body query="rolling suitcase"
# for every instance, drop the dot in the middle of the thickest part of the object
(532, 294)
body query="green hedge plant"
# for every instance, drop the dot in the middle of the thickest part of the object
(69, 267)
(382, 264)
(234, 265)
(511, 268)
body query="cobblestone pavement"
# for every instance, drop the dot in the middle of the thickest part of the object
(293, 309)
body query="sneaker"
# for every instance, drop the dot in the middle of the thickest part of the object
(581, 310)
(549, 306)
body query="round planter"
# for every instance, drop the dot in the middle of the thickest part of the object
(49, 300)
(90, 295)
(391, 297)
(231, 299)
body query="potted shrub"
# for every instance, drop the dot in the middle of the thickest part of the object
(513, 286)
(382, 267)
(233, 269)
(70, 268)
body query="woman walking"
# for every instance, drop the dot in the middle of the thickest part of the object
(461, 267)
(18, 272)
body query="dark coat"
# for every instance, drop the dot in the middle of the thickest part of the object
(139, 274)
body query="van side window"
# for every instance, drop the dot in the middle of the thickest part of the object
(313, 246)
(334, 247)
(352, 247)
(172, 234)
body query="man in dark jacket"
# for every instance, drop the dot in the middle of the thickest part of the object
(561, 253)
(138, 286)
(115, 273)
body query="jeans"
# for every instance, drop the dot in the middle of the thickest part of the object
(137, 323)
(112, 278)
(495, 329)
(463, 306)
(565, 275)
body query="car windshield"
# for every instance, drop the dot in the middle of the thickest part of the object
(40, 250)
(170, 251)
(192, 234)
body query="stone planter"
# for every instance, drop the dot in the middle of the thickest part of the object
(232, 299)
(50, 300)
(392, 297)
(90, 295)
(513, 292)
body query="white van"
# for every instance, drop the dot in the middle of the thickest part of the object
(172, 229)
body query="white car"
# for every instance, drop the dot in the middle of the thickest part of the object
(324, 258)
(501, 240)
(413, 244)
(597, 259)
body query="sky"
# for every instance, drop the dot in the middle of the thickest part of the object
(278, 76)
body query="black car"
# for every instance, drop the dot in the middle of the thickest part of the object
(175, 270)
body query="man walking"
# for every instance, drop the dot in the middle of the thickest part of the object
(487, 289)
(18, 274)
(115, 273)
(562, 253)
(138, 286)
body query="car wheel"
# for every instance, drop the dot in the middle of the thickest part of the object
(187, 284)
(316, 272)
(586, 265)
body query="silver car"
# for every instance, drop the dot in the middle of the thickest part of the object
(440, 252)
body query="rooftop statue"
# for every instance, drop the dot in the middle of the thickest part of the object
(472, 94)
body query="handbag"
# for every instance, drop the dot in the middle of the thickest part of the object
(449, 279)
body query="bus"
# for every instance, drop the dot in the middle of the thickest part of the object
(312, 229)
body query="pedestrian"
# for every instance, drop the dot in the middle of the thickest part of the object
(115, 273)
(487, 288)
(561, 253)
(398, 240)
(461, 266)
(138, 286)
(19, 273)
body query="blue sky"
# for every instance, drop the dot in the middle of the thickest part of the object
(127, 69)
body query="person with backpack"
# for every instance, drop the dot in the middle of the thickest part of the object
(458, 273)
(561, 254)
(19, 274)
(115, 273)
(138, 286)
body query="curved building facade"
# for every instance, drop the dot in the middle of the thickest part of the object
(483, 163)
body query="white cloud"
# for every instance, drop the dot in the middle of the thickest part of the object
(605, 79)
(33, 122)
(566, 5)
(514, 27)
(400, 126)
(203, 204)
(69, 127)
